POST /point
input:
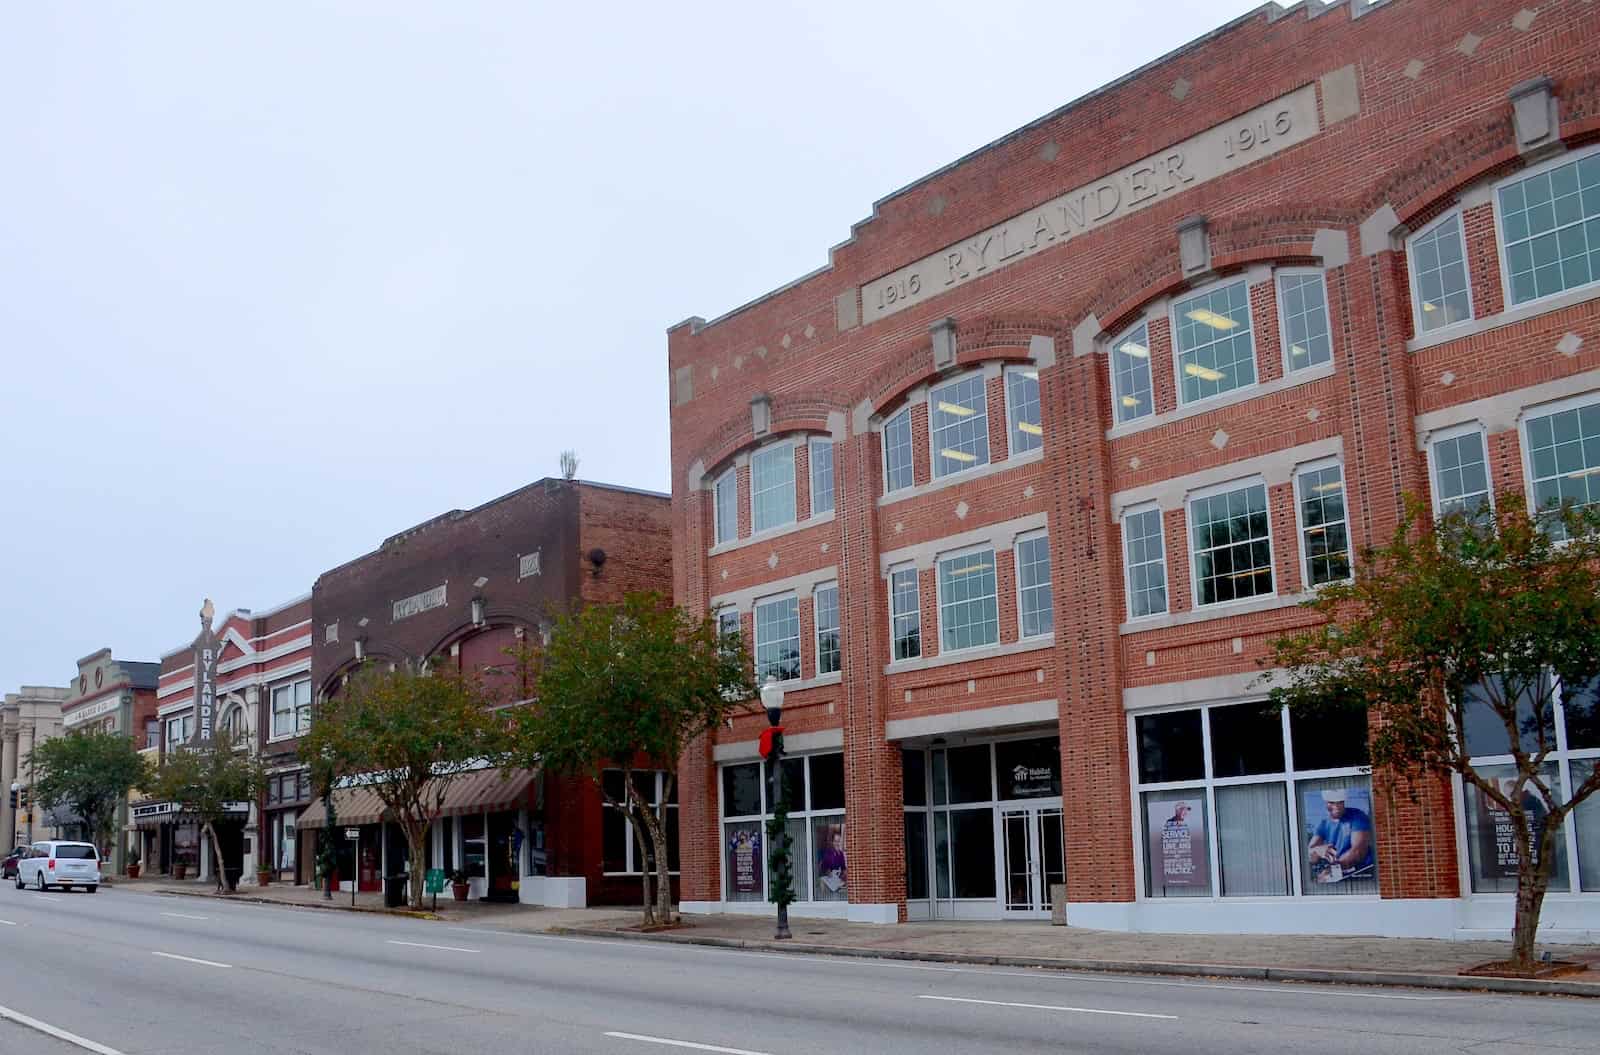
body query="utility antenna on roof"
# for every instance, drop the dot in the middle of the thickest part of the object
(569, 465)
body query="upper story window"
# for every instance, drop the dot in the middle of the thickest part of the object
(772, 487)
(905, 613)
(727, 627)
(1303, 306)
(958, 425)
(727, 506)
(291, 708)
(1460, 473)
(821, 459)
(1035, 609)
(1231, 544)
(1146, 558)
(1564, 459)
(1215, 348)
(777, 639)
(1022, 409)
(1130, 375)
(825, 606)
(1438, 260)
(1551, 224)
(179, 730)
(1324, 533)
(969, 612)
(898, 471)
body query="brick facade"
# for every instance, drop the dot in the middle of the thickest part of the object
(1413, 119)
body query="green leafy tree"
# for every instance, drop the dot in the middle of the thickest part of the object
(623, 684)
(90, 773)
(410, 736)
(205, 780)
(1474, 613)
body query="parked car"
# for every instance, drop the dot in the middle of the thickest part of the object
(60, 864)
(8, 867)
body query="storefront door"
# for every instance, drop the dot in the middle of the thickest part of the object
(1034, 857)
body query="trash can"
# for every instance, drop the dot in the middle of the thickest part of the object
(394, 890)
(231, 876)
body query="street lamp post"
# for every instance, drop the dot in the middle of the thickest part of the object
(782, 878)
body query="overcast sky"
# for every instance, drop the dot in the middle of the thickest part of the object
(280, 280)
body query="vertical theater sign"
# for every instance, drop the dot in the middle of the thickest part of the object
(206, 652)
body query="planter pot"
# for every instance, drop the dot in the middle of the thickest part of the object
(180, 871)
(459, 890)
(133, 871)
(263, 878)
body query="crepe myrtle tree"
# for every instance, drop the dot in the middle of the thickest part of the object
(205, 780)
(90, 773)
(409, 736)
(1480, 613)
(629, 687)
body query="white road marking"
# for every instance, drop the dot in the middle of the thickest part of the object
(44, 897)
(1044, 1007)
(183, 915)
(7, 922)
(190, 959)
(55, 1031)
(423, 945)
(684, 1044)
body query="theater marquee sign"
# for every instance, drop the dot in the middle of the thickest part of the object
(1259, 133)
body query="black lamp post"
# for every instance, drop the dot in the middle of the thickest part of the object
(782, 877)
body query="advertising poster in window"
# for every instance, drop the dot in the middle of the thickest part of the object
(744, 859)
(1177, 831)
(830, 859)
(1497, 836)
(1341, 842)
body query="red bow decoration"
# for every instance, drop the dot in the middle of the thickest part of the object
(766, 739)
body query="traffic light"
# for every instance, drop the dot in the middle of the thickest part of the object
(24, 803)
(13, 798)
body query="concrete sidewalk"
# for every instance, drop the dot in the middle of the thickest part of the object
(1419, 962)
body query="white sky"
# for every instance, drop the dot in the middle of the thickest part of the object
(280, 280)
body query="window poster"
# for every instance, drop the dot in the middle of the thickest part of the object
(1341, 843)
(1177, 833)
(744, 858)
(830, 858)
(1497, 836)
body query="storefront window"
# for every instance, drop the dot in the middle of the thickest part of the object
(1585, 821)
(1243, 822)
(1028, 769)
(916, 856)
(620, 851)
(474, 848)
(1492, 845)
(814, 791)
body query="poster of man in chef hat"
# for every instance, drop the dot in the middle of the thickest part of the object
(1341, 843)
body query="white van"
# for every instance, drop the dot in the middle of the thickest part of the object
(60, 864)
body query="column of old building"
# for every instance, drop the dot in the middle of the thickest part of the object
(25, 778)
(8, 776)
(874, 817)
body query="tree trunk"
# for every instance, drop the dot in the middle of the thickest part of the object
(216, 857)
(632, 809)
(658, 842)
(416, 841)
(1533, 881)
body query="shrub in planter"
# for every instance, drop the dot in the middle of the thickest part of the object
(263, 876)
(458, 885)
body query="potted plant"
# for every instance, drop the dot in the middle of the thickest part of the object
(458, 884)
(263, 875)
(180, 869)
(133, 862)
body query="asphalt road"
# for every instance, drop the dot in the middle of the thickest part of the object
(130, 973)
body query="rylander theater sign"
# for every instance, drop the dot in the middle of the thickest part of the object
(1259, 133)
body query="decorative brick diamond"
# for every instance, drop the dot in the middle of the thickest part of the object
(761, 352)
(898, 528)
(738, 362)
(1027, 492)
(962, 509)
(825, 547)
(1447, 378)
(724, 573)
(1238, 646)
(1050, 151)
(1569, 345)
(810, 331)
(1180, 88)
(1149, 659)
(1523, 20)
(715, 370)
(1468, 44)
(1313, 414)
(772, 561)
(1413, 69)
(1134, 462)
(1219, 439)
(936, 205)
(787, 341)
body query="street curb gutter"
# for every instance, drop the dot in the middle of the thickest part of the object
(251, 899)
(1526, 986)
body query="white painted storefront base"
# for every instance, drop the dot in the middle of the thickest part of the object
(798, 910)
(554, 891)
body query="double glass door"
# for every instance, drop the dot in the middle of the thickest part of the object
(1034, 857)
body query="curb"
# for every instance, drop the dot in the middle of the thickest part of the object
(251, 899)
(1522, 986)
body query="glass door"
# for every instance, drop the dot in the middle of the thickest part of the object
(1034, 857)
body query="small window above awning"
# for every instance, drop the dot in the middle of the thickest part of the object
(480, 791)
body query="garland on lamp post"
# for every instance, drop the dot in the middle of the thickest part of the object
(780, 870)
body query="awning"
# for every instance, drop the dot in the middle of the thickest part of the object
(480, 791)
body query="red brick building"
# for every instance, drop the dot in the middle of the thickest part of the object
(464, 589)
(114, 696)
(1014, 493)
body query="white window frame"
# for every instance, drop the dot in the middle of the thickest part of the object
(1500, 233)
(1111, 369)
(811, 474)
(938, 594)
(794, 484)
(1016, 565)
(933, 439)
(1177, 355)
(731, 476)
(816, 628)
(797, 812)
(1013, 426)
(1540, 411)
(1411, 273)
(911, 448)
(1300, 524)
(1127, 563)
(185, 726)
(916, 579)
(632, 840)
(1194, 564)
(295, 727)
(755, 635)
(1451, 433)
(1283, 316)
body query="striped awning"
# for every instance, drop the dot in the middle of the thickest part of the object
(480, 791)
